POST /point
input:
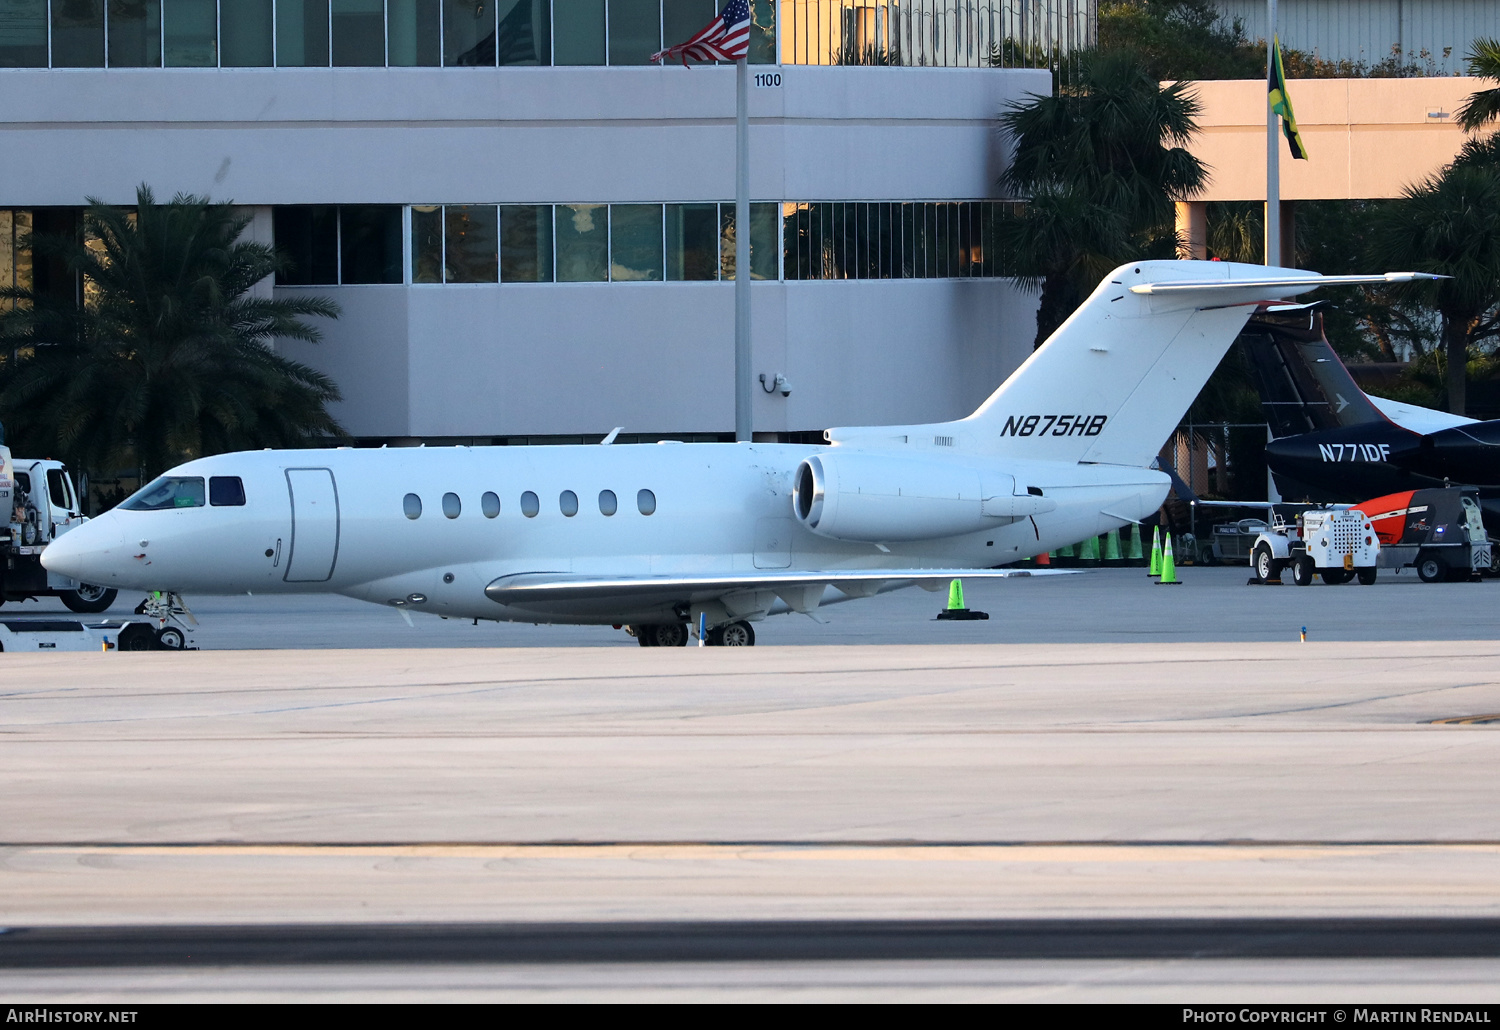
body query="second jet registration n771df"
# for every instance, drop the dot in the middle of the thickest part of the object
(660, 537)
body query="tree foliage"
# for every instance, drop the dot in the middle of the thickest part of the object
(168, 357)
(1101, 163)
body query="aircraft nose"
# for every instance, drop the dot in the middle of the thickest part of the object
(88, 553)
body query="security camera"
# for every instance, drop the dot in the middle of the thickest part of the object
(778, 383)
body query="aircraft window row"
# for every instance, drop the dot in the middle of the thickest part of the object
(357, 33)
(489, 504)
(186, 492)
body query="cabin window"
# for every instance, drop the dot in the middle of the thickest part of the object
(568, 502)
(167, 492)
(608, 504)
(490, 504)
(451, 505)
(645, 500)
(412, 505)
(530, 504)
(226, 491)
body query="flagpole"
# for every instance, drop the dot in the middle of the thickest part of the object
(1273, 152)
(743, 420)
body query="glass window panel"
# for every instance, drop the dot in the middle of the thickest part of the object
(887, 239)
(567, 503)
(413, 33)
(190, 33)
(226, 491)
(358, 28)
(634, 31)
(302, 33)
(526, 243)
(681, 20)
(608, 502)
(790, 234)
(909, 241)
(245, 31)
(490, 504)
(307, 237)
(635, 242)
(426, 244)
(763, 32)
(645, 502)
(471, 238)
(530, 504)
(134, 33)
(7, 255)
(582, 243)
(23, 33)
(370, 243)
(764, 244)
(692, 242)
(78, 34)
(411, 504)
(469, 33)
(578, 32)
(452, 506)
(524, 36)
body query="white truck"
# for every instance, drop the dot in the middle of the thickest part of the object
(38, 503)
(1337, 544)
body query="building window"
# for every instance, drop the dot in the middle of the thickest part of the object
(370, 243)
(468, 33)
(892, 240)
(608, 503)
(23, 34)
(190, 33)
(635, 242)
(247, 34)
(692, 232)
(358, 33)
(135, 34)
(411, 504)
(451, 506)
(634, 31)
(567, 503)
(302, 33)
(582, 243)
(308, 237)
(470, 244)
(426, 244)
(530, 504)
(525, 33)
(578, 32)
(412, 33)
(645, 502)
(526, 243)
(78, 34)
(489, 504)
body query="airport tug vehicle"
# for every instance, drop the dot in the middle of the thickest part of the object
(1338, 545)
(38, 504)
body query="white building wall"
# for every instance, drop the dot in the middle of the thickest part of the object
(543, 359)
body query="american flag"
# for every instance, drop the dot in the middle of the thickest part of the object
(726, 38)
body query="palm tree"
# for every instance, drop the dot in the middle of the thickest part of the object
(167, 358)
(1102, 161)
(1484, 106)
(1450, 225)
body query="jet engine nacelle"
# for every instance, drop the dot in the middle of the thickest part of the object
(874, 497)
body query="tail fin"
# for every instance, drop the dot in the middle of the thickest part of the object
(1116, 378)
(1304, 387)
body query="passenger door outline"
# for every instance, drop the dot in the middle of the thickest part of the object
(311, 550)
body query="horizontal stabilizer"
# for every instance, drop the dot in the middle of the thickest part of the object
(1281, 284)
(526, 588)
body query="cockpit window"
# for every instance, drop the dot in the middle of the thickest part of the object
(225, 491)
(167, 492)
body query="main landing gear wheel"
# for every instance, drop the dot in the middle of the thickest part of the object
(1431, 570)
(1303, 570)
(88, 599)
(663, 634)
(735, 634)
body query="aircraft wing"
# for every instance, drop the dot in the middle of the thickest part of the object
(524, 589)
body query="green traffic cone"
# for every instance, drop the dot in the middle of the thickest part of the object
(1135, 544)
(1065, 552)
(956, 609)
(1155, 569)
(1168, 565)
(1112, 546)
(1088, 550)
(956, 596)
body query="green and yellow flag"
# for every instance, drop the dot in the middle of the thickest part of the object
(1281, 103)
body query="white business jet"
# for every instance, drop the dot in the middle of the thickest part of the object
(661, 537)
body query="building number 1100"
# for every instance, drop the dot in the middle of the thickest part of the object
(768, 79)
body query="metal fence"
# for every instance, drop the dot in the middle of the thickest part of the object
(937, 33)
